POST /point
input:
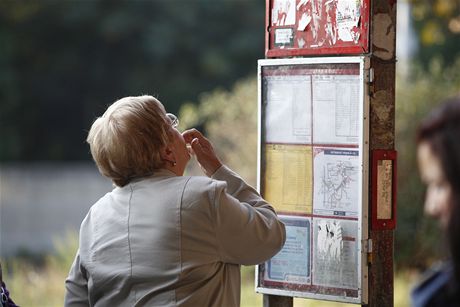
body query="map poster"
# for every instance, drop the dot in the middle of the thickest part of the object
(292, 263)
(336, 173)
(335, 253)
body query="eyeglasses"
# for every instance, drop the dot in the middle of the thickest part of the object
(174, 120)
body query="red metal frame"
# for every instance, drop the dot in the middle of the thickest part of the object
(379, 155)
(339, 47)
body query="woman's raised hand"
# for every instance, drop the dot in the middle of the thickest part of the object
(203, 150)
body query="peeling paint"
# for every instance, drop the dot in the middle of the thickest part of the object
(383, 42)
(283, 13)
(301, 42)
(347, 20)
(382, 105)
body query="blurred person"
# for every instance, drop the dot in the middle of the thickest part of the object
(160, 238)
(438, 153)
(5, 299)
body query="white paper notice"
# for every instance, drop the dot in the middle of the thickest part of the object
(292, 263)
(283, 12)
(288, 109)
(336, 181)
(283, 36)
(335, 253)
(329, 243)
(347, 18)
(336, 109)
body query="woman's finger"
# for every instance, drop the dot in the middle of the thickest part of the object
(191, 134)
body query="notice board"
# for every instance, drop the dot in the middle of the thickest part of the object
(312, 27)
(313, 168)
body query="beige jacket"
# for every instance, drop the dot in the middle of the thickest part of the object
(172, 241)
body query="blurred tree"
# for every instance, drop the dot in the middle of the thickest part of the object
(434, 77)
(229, 119)
(418, 241)
(63, 62)
(437, 23)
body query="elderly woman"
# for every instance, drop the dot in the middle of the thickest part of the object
(161, 238)
(438, 154)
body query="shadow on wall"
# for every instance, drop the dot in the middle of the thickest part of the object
(40, 202)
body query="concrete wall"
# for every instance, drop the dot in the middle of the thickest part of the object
(40, 202)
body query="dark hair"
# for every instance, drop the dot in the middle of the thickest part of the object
(441, 131)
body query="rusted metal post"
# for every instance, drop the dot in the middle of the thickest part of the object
(278, 301)
(382, 136)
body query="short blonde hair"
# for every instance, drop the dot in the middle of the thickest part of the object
(125, 141)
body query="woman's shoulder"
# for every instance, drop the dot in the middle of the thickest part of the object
(201, 187)
(437, 288)
(200, 183)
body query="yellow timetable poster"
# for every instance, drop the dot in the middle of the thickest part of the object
(288, 177)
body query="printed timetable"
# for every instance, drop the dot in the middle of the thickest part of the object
(312, 133)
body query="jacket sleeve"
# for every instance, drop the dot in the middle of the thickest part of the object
(76, 285)
(247, 228)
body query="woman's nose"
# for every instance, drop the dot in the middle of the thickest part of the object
(433, 203)
(431, 208)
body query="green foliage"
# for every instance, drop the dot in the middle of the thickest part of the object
(63, 62)
(65, 249)
(417, 238)
(43, 285)
(229, 119)
(437, 23)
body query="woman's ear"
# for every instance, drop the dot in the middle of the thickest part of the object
(167, 154)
